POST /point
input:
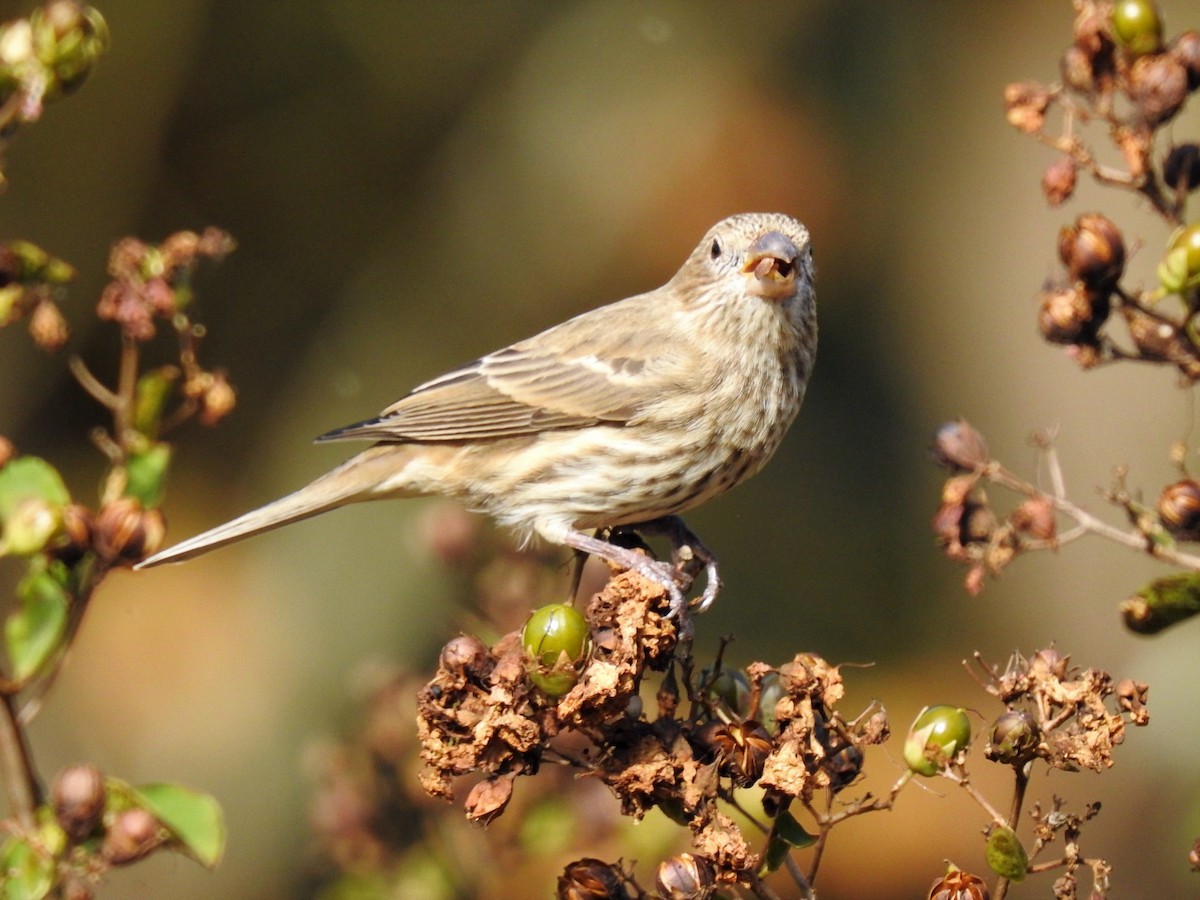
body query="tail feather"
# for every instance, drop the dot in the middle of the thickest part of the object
(354, 480)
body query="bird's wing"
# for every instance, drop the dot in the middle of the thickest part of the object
(576, 377)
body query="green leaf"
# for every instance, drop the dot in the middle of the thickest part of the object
(788, 829)
(147, 475)
(194, 819)
(786, 835)
(36, 630)
(153, 391)
(1005, 855)
(28, 874)
(30, 478)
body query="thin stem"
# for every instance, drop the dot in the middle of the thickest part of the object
(1135, 540)
(959, 777)
(20, 781)
(793, 867)
(126, 391)
(1022, 782)
(90, 383)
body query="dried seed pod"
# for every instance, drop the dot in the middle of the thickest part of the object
(1025, 105)
(47, 326)
(1035, 517)
(1093, 250)
(78, 799)
(592, 879)
(1076, 69)
(1058, 181)
(124, 532)
(465, 655)
(1158, 86)
(742, 748)
(685, 877)
(1072, 315)
(959, 885)
(956, 445)
(1179, 509)
(1014, 738)
(1181, 168)
(1185, 50)
(132, 834)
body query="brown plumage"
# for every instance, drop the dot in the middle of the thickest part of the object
(623, 416)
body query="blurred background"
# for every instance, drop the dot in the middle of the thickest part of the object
(412, 184)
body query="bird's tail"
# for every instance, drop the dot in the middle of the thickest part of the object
(356, 479)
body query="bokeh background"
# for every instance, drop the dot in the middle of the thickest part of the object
(414, 183)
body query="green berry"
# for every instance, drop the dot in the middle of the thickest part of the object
(1137, 26)
(558, 641)
(937, 735)
(1180, 266)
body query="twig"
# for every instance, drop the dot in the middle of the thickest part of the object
(20, 782)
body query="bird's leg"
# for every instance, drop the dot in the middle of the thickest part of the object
(646, 566)
(688, 554)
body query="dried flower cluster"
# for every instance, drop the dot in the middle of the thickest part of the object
(1067, 717)
(1120, 73)
(481, 714)
(30, 282)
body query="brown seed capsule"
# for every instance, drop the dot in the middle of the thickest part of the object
(1058, 181)
(978, 523)
(1014, 739)
(133, 834)
(1093, 250)
(77, 529)
(1049, 662)
(1185, 50)
(741, 747)
(1181, 168)
(1076, 69)
(1158, 86)
(1068, 316)
(8, 450)
(125, 533)
(1179, 509)
(465, 654)
(1035, 517)
(592, 879)
(1025, 105)
(956, 445)
(47, 326)
(959, 885)
(78, 799)
(218, 399)
(844, 765)
(1131, 697)
(685, 877)
(488, 798)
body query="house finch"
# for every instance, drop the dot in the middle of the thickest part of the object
(623, 416)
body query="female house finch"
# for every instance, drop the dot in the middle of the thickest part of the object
(623, 416)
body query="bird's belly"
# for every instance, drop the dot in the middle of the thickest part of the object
(605, 477)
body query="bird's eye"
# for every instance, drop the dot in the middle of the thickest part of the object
(715, 250)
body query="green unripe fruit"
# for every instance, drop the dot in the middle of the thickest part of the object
(558, 641)
(937, 735)
(1137, 26)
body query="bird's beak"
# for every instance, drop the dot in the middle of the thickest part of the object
(771, 260)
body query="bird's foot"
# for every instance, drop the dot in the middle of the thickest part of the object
(688, 557)
(674, 579)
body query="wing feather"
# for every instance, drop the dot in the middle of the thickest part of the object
(578, 374)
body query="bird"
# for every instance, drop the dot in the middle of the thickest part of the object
(619, 419)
